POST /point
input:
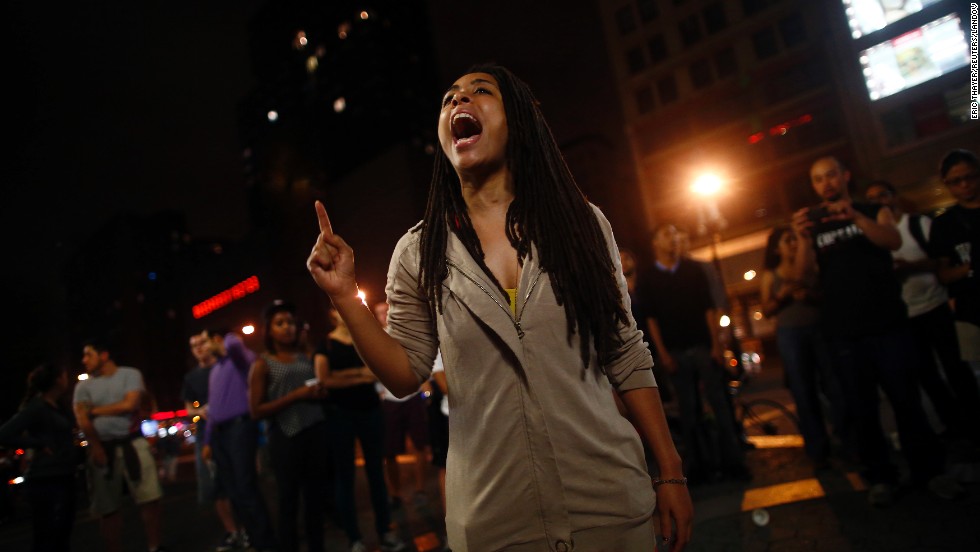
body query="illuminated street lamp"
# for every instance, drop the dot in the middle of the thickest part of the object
(707, 185)
(248, 329)
(706, 189)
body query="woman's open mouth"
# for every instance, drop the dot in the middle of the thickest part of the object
(466, 129)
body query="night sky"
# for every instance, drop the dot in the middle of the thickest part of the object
(131, 108)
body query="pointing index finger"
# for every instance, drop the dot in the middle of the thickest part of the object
(321, 214)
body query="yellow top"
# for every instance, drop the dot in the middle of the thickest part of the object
(512, 293)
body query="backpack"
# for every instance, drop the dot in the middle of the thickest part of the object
(915, 228)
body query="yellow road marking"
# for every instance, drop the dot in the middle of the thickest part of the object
(784, 493)
(776, 441)
(795, 491)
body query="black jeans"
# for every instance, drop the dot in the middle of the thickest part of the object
(367, 426)
(299, 463)
(809, 370)
(958, 402)
(699, 377)
(233, 447)
(888, 360)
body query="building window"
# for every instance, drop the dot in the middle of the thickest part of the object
(635, 61)
(764, 43)
(714, 17)
(644, 100)
(798, 79)
(725, 63)
(928, 116)
(648, 9)
(700, 72)
(690, 28)
(792, 30)
(625, 20)
(658, 49)
(752, 7)
(667, 89)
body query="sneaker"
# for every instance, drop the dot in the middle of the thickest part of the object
(358, 546)
(230, 542)
(881, 495)
(391, 543)
(946, 487)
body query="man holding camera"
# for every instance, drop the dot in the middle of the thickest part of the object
(867, 324)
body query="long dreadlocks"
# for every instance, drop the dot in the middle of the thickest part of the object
(548, 210)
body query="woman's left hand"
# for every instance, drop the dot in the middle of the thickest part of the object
(310, 392)
(676, 515)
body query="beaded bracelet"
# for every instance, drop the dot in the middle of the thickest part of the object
(659, 482)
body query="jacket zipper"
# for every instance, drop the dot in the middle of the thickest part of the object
(517, 321)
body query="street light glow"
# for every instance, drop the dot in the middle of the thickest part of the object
(706, 185)
(248, 329)
(724, 321)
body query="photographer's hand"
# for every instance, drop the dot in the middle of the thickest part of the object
(841, 210)
(802, 225)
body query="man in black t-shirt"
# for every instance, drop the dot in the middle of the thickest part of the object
(955, 241)
(681, 318)
(867, 323)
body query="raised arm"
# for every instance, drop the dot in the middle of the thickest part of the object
(239, 354)
(881, 230)
(806, 256)
(331, 263)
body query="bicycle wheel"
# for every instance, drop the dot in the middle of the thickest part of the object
(768, 417)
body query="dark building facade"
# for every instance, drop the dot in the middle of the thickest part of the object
(752, 91)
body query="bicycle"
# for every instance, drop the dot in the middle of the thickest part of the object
(760, 417)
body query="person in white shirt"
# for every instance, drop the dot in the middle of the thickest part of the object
(956, 398)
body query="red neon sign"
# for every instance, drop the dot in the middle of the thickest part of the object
(167, 414)
(781, 129)
(234, 293)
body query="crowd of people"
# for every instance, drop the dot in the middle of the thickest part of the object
(512, 309)
(857, 288)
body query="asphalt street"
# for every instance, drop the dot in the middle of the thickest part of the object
(788, 505)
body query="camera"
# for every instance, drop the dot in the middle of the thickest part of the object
(817, 213)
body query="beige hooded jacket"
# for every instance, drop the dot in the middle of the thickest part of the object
(539, 456)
